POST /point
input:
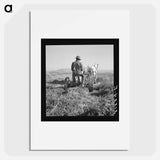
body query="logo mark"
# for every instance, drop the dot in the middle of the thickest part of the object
(8, 8)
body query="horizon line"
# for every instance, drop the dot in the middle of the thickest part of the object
(71, 71)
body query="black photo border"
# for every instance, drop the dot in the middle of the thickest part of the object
(78, 41)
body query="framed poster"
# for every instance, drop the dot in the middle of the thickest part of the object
(79, 80)
(95, 96)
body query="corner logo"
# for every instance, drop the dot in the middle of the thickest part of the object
(8, 8)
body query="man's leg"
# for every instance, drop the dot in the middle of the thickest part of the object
(79, 79)
(73, 78)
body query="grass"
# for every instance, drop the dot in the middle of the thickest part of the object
(79, 101)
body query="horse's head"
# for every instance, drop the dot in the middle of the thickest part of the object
(96, 66)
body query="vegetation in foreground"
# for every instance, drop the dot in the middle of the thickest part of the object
(78, 101)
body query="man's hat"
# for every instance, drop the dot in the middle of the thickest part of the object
(78, 57)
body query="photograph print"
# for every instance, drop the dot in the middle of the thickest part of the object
(80, 79)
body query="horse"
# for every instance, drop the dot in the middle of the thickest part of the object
(91, 71)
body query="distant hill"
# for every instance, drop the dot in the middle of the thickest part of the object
(67, 70)
(61, 71)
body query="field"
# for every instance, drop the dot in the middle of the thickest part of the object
(78, 100)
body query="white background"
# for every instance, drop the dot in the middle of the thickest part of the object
(79, 135)
(144, 128)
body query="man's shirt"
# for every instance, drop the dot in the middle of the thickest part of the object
(77, 67)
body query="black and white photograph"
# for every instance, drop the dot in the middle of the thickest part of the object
(79, 79)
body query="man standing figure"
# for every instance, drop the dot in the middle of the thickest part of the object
(77, 70)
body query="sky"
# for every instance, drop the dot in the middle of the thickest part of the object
(62, 56)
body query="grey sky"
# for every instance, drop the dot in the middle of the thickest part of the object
(61, 56)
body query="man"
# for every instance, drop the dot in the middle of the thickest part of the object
(77, 70)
